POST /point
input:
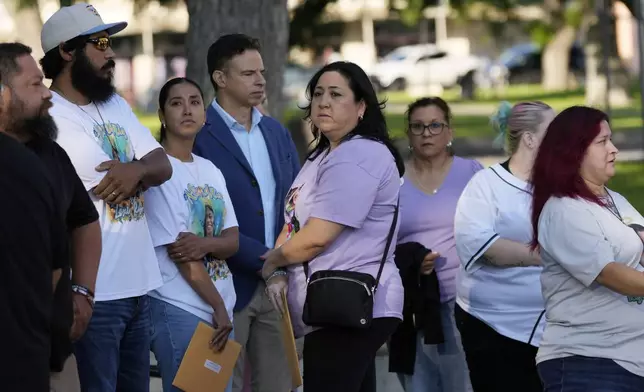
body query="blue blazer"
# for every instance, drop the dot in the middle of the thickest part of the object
(216, 143)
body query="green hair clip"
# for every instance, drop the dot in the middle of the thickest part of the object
(499, 121)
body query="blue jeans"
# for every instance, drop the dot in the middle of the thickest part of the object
(172, 330)
(114, 353)
(440, 367)
(586, 374)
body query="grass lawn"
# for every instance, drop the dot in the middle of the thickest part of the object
(477, 124)
(629, 181)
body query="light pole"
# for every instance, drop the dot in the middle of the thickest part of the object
(606, 25)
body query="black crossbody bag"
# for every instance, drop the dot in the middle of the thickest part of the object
(337, 298)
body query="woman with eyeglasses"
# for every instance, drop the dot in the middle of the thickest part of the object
(426, 349)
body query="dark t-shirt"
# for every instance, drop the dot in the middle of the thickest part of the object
(30, 248)
(79, 210)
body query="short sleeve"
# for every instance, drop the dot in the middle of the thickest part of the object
(476, 166)
(570, 233)
(81, 211)
(474, 222)
(344, 194)
(165, 213)
(141, 138)
(80, 149)
(59, 235)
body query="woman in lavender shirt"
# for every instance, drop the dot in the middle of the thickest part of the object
(338, 215)
(433, 183)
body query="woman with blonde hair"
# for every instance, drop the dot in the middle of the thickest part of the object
(499, 307)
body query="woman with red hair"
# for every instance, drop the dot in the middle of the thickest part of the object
(592, 256)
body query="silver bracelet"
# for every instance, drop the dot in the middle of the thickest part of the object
(277, 273)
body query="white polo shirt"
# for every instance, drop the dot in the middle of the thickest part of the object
(495, 204)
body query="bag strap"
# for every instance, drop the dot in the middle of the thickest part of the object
(390, 238)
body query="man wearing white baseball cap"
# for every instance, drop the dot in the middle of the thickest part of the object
(117, 159)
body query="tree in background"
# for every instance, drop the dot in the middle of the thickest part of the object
(26, 14)
(267, 20)
(563, 24)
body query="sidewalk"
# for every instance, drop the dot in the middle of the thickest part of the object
(387, 382)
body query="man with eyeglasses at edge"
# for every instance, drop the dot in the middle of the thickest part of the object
(117, 159)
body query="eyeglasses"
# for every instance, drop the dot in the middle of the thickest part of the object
(102, 43)
(434, 128)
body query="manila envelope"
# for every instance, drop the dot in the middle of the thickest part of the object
(202, 369)
(289, 346)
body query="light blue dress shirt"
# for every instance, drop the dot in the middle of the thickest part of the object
(253, 146)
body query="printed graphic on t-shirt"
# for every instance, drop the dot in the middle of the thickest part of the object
(292, 223)
(116, 144)
(207, 212)
(637, 300)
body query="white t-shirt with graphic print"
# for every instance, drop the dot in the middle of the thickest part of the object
(93, 134)
(194, 200)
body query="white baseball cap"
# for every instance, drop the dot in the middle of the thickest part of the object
(74, 21)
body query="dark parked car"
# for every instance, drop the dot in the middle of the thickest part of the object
(522, 63)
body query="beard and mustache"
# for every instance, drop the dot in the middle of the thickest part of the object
(96, 85)
(85, 78)
(37, 126)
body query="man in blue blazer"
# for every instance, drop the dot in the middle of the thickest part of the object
(257, 157)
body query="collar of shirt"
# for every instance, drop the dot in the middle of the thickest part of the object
(231, 122)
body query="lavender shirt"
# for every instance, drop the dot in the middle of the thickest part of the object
(355, 185)
(429, 220)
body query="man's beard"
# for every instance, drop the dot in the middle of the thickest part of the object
(86, 79)
(36, 127)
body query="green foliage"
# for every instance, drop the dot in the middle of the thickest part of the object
(540, 32)
(304, 19)
(574, 13)
(413, 12)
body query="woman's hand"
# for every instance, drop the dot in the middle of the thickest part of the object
(427, 266)
(272, 260)
(223, 327)
(188, 247)
(275, 286)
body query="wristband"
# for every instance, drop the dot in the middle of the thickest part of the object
(277, 273)
(85, 292)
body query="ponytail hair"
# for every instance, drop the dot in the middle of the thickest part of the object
(511, 122)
